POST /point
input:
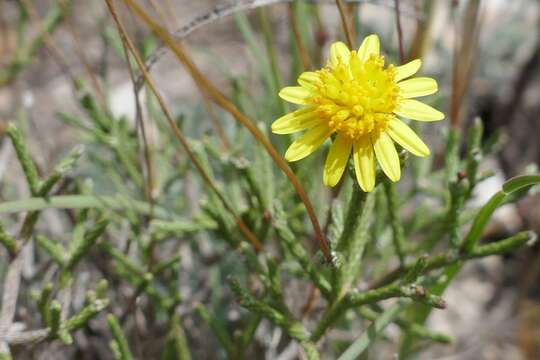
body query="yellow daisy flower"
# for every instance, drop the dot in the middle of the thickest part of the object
(359, 99)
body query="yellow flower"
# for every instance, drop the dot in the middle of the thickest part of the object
(357, 98)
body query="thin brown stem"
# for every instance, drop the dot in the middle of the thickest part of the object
(220, 99)
(178, 134)
(352, 10)
(345, 23)
(149, 189)
(399, 32)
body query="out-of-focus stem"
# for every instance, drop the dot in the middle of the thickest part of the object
(399, 32)
(422, 33)
(452, 257)
(465, 51)
(345, 23)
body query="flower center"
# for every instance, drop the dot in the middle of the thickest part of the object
(357, 98)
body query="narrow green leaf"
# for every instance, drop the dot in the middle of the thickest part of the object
(116, 203)
(55, 310)
(481, 220)
(8, 241)
(217, 328)
(489, 208)
(53, 248)
(82, 245)
(519, 182)
(119, 338)
(25, 158)
(84, 315)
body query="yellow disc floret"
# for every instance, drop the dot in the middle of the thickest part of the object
(359, 103)
(357, 98)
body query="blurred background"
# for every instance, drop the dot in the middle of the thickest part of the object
(485, 56)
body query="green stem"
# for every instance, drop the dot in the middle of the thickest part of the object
(453, 257)
(395, 222)
(352, 300)
(179, 337)
(351, 243)
(351, 222)
(119, 338)
(290, 326)
(8, 241)
(416, 329)
(25, 159)
(373, 331)
(115, 203)
(452, 154)
(458, 193)
(219, 331)
(291, 243)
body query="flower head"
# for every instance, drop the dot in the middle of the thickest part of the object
(359, 100)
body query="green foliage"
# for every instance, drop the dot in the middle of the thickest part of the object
(27, 47)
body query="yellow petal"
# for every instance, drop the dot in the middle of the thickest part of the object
(296, 121)
(416, 87)
(416, 110)
(310, 80)
(339, 52)
(407, 70)
(406, 137)
(296, 95)
(364, 163)
(307, 143)
(370, 45)
(387, 155)
(336, 161)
